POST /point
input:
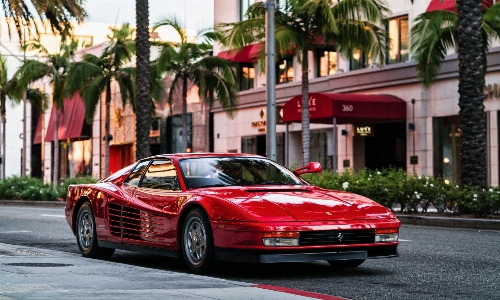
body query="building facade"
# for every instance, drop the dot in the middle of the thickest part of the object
(419, 130)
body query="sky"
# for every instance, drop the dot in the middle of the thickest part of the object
(195, 14)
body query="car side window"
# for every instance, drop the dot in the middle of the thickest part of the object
(161, 174)
(135, 177)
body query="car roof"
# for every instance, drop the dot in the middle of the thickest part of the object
(204, 154)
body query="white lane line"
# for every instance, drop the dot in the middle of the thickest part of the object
(17, 231)
(404, 240)
(54, 216)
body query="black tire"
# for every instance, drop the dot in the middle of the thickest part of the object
(346, 263)
(86, 236)
(197, 243)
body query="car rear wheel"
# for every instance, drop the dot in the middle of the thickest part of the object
(86, 234)
(346, 263)
(197, 242)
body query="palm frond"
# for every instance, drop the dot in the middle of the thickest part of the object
(91, 96)
(432, 35)
(175, 23)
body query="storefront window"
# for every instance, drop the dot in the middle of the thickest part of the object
(318, 148)
(399, 35)
(284, 70)
(447, 148)
(359, 60)
(326, 63)
(78, 158)
(246, 76)
(257, 145)
(175, 134)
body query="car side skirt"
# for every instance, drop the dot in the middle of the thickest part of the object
(141, 249)
(281, 257)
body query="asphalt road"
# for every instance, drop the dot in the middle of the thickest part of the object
(434, 263)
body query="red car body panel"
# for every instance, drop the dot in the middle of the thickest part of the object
(238, 214)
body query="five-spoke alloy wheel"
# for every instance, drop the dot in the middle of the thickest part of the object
(197, 242)
(86, 234)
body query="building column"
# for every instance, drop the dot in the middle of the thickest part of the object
(492, 144)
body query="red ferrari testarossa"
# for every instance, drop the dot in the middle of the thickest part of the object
(208, 207)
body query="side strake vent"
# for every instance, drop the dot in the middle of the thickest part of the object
(131, 223)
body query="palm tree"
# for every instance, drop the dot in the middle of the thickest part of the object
(94, 74)
(57, 13)
(56, 67)
(188, 61)
(432, 35)
(142, 120)
(304, 25)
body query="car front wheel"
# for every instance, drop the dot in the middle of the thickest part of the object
(197, 242)
(86, 234)
(346, 263)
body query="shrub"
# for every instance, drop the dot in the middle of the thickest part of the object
(412, 193)
(34, 189)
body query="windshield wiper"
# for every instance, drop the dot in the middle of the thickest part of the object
(275, 182)
(210, 185)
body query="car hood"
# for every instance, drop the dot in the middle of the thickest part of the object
(303, 204)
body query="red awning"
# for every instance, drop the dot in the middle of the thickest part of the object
(248, 54)
(70, 121)
(450, 5)
(347, 108)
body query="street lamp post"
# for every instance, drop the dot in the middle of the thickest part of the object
(270, 7)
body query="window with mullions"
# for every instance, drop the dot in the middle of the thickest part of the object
(399, 35)
(244, 5)
(284, 70)
(246, 76)
(326, 62)
(359, 60)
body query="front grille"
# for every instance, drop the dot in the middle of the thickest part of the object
(336, 237)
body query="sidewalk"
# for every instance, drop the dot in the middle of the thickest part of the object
(31, 273)
(454, 222)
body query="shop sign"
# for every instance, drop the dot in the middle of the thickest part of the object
(312, 104)
(491, 91)
(364, 131)
(258, 123)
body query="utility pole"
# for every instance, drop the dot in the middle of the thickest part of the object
(270, 7)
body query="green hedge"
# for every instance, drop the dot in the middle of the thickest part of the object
(411, 193)
(28, 188)
(391, 188)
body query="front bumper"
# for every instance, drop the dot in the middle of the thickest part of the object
(246, 256)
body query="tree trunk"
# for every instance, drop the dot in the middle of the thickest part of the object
(306, 133)
(471, 95)
(107, 135)
(55, 169)
(184, 114)
(4, 120)
(143, 121)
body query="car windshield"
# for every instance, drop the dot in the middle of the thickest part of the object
(234, 171)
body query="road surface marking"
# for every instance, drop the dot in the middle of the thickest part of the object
(55, 216)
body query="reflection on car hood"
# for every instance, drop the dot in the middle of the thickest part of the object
(303, 203)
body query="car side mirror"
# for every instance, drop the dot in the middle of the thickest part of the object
(312, 167)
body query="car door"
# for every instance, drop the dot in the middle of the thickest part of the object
(159, 189)
(123, 216)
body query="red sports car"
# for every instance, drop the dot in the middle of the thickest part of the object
(229, 207)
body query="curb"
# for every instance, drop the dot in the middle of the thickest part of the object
(469, 223)
(32, 203)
